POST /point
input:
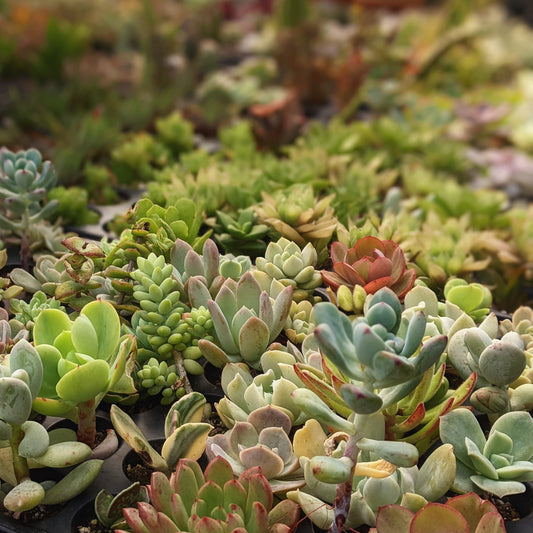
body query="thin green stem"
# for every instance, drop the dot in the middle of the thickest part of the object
(20, 465)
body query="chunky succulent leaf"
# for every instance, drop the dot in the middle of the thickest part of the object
(360, 400)
(438, 518)
(84, 382)
(397, 453)
(24, 496)
(253, 340)
(518, 426)
(498, 487)
(35, 441)
(188, 440)
(49, 324)
(393, 518)
(15, 401)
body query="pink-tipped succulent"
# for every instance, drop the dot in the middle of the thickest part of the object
(211, 502)
(371, 263)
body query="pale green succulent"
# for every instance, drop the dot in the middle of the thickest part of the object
(498, 464)
(300, 322)
(285, 261)
(497, 362)
(245, 320)
(244, 393)
(411, 487)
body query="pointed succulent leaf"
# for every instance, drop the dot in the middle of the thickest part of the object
(253, 340)
(280, 311)
(74, 483)
(415, 333)
(480, 463)
(311, 404)
(214, 354)
(222, 328)
(360, 400)
(130, 432)
(498, 487)
(188, 440)
(437, 473)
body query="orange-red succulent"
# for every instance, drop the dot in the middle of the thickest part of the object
(371, 263)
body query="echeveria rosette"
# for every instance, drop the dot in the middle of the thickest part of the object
(291, 265)
(498, 464)
(211, 501)
(262, 440)
(371, 263)
(245, 320)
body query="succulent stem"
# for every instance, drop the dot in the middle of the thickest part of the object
(344, 490)
(182, 373)
(87, 422)
(25, 250)
(20, 465)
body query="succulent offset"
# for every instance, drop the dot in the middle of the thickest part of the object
(199, 502)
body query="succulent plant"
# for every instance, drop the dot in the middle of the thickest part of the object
(234, 266)
(240, 233)
(497, 464)
(245, 319)
(375, 355)
(296, 214)
(244, 394)
(376, 486)
(497, 363)
(185, 434)
(300, 322)
(474, 299)
(82, 360)
(28, 442)
(27, 312)
(371, 263)
(186, 263)
(25, 181)
(158, 377)
(291, 265)
(108, 508)
(467, 513)
(163, 322)
(198, 502)
(263, 439)
(7, 290)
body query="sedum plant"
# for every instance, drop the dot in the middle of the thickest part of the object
(185, 434)
(291, 265)
(263, 439)
(245, 320)
(28, 444)
(497, 464)
(240, 233)
(467, 513)
(201, 502)
(378, 362)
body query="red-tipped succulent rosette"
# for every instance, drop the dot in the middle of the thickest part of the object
(372, 263)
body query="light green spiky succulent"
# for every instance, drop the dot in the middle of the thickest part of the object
(262, 439)
(245, 320)
(291, 265)
(498, 464)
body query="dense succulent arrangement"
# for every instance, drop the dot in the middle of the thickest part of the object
(355, 295)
